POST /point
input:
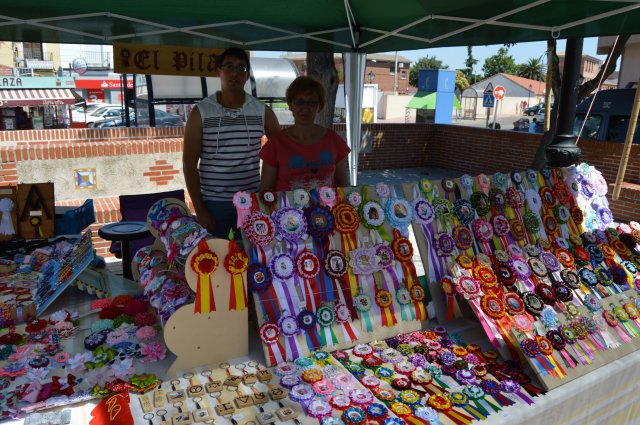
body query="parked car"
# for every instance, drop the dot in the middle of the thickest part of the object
(535, 109)
(608, 118)
(104, 113)
(163, 119)
(521, 124)
(80, 113)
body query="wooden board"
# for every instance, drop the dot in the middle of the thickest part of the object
(36, 212)
(8, 213)
(199, 339)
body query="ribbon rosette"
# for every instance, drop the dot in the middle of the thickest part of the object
(288, 325)
(259, 278)
(290, 224)
(481, 203)
(319, 221)
(363, 304)
(204, 263)
(372, 215)
(325, 318)
(236, 263)
(327, 196)
(259, 228)
(242, 202)
(468, 287)
(463, 210)
(399, 214)
(307, 266)
(270, 334)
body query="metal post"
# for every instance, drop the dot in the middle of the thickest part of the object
(495, 113)
(622, 168)
(563, 150)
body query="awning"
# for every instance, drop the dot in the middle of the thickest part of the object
(38, 97)
(427, 100)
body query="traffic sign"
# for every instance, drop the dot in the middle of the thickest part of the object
(499, 92)
(488, 89)
(488, 101)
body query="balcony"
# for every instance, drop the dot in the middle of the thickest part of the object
(39, 64)
(97, 60)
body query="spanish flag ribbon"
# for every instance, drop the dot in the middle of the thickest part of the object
(204, 263)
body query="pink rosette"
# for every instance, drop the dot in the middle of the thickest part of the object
(318, 408)
(500, 225)
(327, 196)
(468, 287)
(482, 229)
(259, 228)
(242, 201)
(361, 397)
(382, 190)
(354, 199)
(515, 198)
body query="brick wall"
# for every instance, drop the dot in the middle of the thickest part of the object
(471, 150)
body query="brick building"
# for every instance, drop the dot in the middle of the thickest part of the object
(379, 69)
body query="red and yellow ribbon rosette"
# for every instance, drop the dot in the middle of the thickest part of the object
(236, 263)
(204, 263)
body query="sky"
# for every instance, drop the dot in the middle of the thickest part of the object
(455, 56)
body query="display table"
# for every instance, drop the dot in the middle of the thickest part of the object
(125, 232)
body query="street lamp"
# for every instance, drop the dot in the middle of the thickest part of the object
(529, 97)
(371, 76)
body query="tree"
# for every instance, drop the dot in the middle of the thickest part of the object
(533, 69)
(469, 63)
(584, 90)
(427, 62)
(323, 67)
(500, 62)
(461, 81)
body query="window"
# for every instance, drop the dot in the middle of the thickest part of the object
(403, 75)
(618, 127)
(591, 126)
(32, 51)
(392, 69)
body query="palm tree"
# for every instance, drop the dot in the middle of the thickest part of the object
(533, 69)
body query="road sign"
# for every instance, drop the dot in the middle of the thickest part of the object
(488, 101)
(488, 89)
(499, 92)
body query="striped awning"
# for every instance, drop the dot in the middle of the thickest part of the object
(38, 97)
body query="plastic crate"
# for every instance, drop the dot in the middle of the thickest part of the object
(75, 221)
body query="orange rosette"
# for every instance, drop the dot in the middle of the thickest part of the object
(492, 306)
(608, 252)
(236, 263)
(384, 299)
(464, 261)
(204, 263)
(345, 218)
(565, 257)
(486, 276)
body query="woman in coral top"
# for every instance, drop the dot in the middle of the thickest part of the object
(304, 155)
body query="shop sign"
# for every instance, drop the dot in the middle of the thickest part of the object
(102, 84)
(37, 82)
(164, 60)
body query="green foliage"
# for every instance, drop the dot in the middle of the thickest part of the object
(427, 62)
(533, 69)
(470, 62)
(461, 81)
(500, 62)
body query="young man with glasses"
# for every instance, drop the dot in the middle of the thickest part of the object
(305, 155)
(222, 142)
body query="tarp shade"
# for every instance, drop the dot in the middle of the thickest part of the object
(38, 97)
(427, 100)
(366, 26)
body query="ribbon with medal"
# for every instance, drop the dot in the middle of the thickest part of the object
(270, 336)
(236, 262)
(204, 263)
(364, 263)
(336, 265)
(347, 221)
(388, 280)
(403, 252)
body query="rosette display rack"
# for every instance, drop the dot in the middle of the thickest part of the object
(197, 286)
(534, 257)
(329, 268)
(58, 274)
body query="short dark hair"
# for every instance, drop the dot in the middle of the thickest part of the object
(235, 52)
(305, 84)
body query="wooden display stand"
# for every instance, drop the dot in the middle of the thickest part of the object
(200, 339)
(208, 338)
(36, 210)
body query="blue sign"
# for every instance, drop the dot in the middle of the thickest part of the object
(488, 101)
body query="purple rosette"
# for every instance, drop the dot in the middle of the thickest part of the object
(290, 223)
(551, 261)
(419, 360)
(282, 266)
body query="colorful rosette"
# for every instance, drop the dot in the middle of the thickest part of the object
(463, 237)
(515, 198)
(307, 265)
(500, 225)
(498, 199)
(550, 261)
(259, 278)
(533, 304)
(362, 302)
(354, 416)
(513, 303)
(306, 320)
(532, 222)
(325, 316)
(290, 224)
(269, 333)
(385, 255)
(481, 203)
(354, 199)
(443, 208)
(319, 221)
(282, 266)
(346, 218)
(467, 286)
(327, 196)
(259, 228)
(423, 211)
(463, 210)
(301, 198)
(402, 249)
(268, 197)
(384, 298)
(517, 229)
(371, 215)
(444, 244)
(242, 201)
(399, 213)
(482, 230)
(492, 306)
(288, 325)
(335, 264)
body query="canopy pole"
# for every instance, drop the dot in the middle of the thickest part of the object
(354, 65)
(626, 150)
(564, 150)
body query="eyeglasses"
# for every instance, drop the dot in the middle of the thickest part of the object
(229, 67)
(301, 102)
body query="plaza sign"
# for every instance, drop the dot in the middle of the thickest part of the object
(37, 83)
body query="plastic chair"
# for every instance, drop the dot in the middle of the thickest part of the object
(135, 208)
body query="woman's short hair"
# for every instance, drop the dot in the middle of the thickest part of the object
(305, 84)
(235, 52)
